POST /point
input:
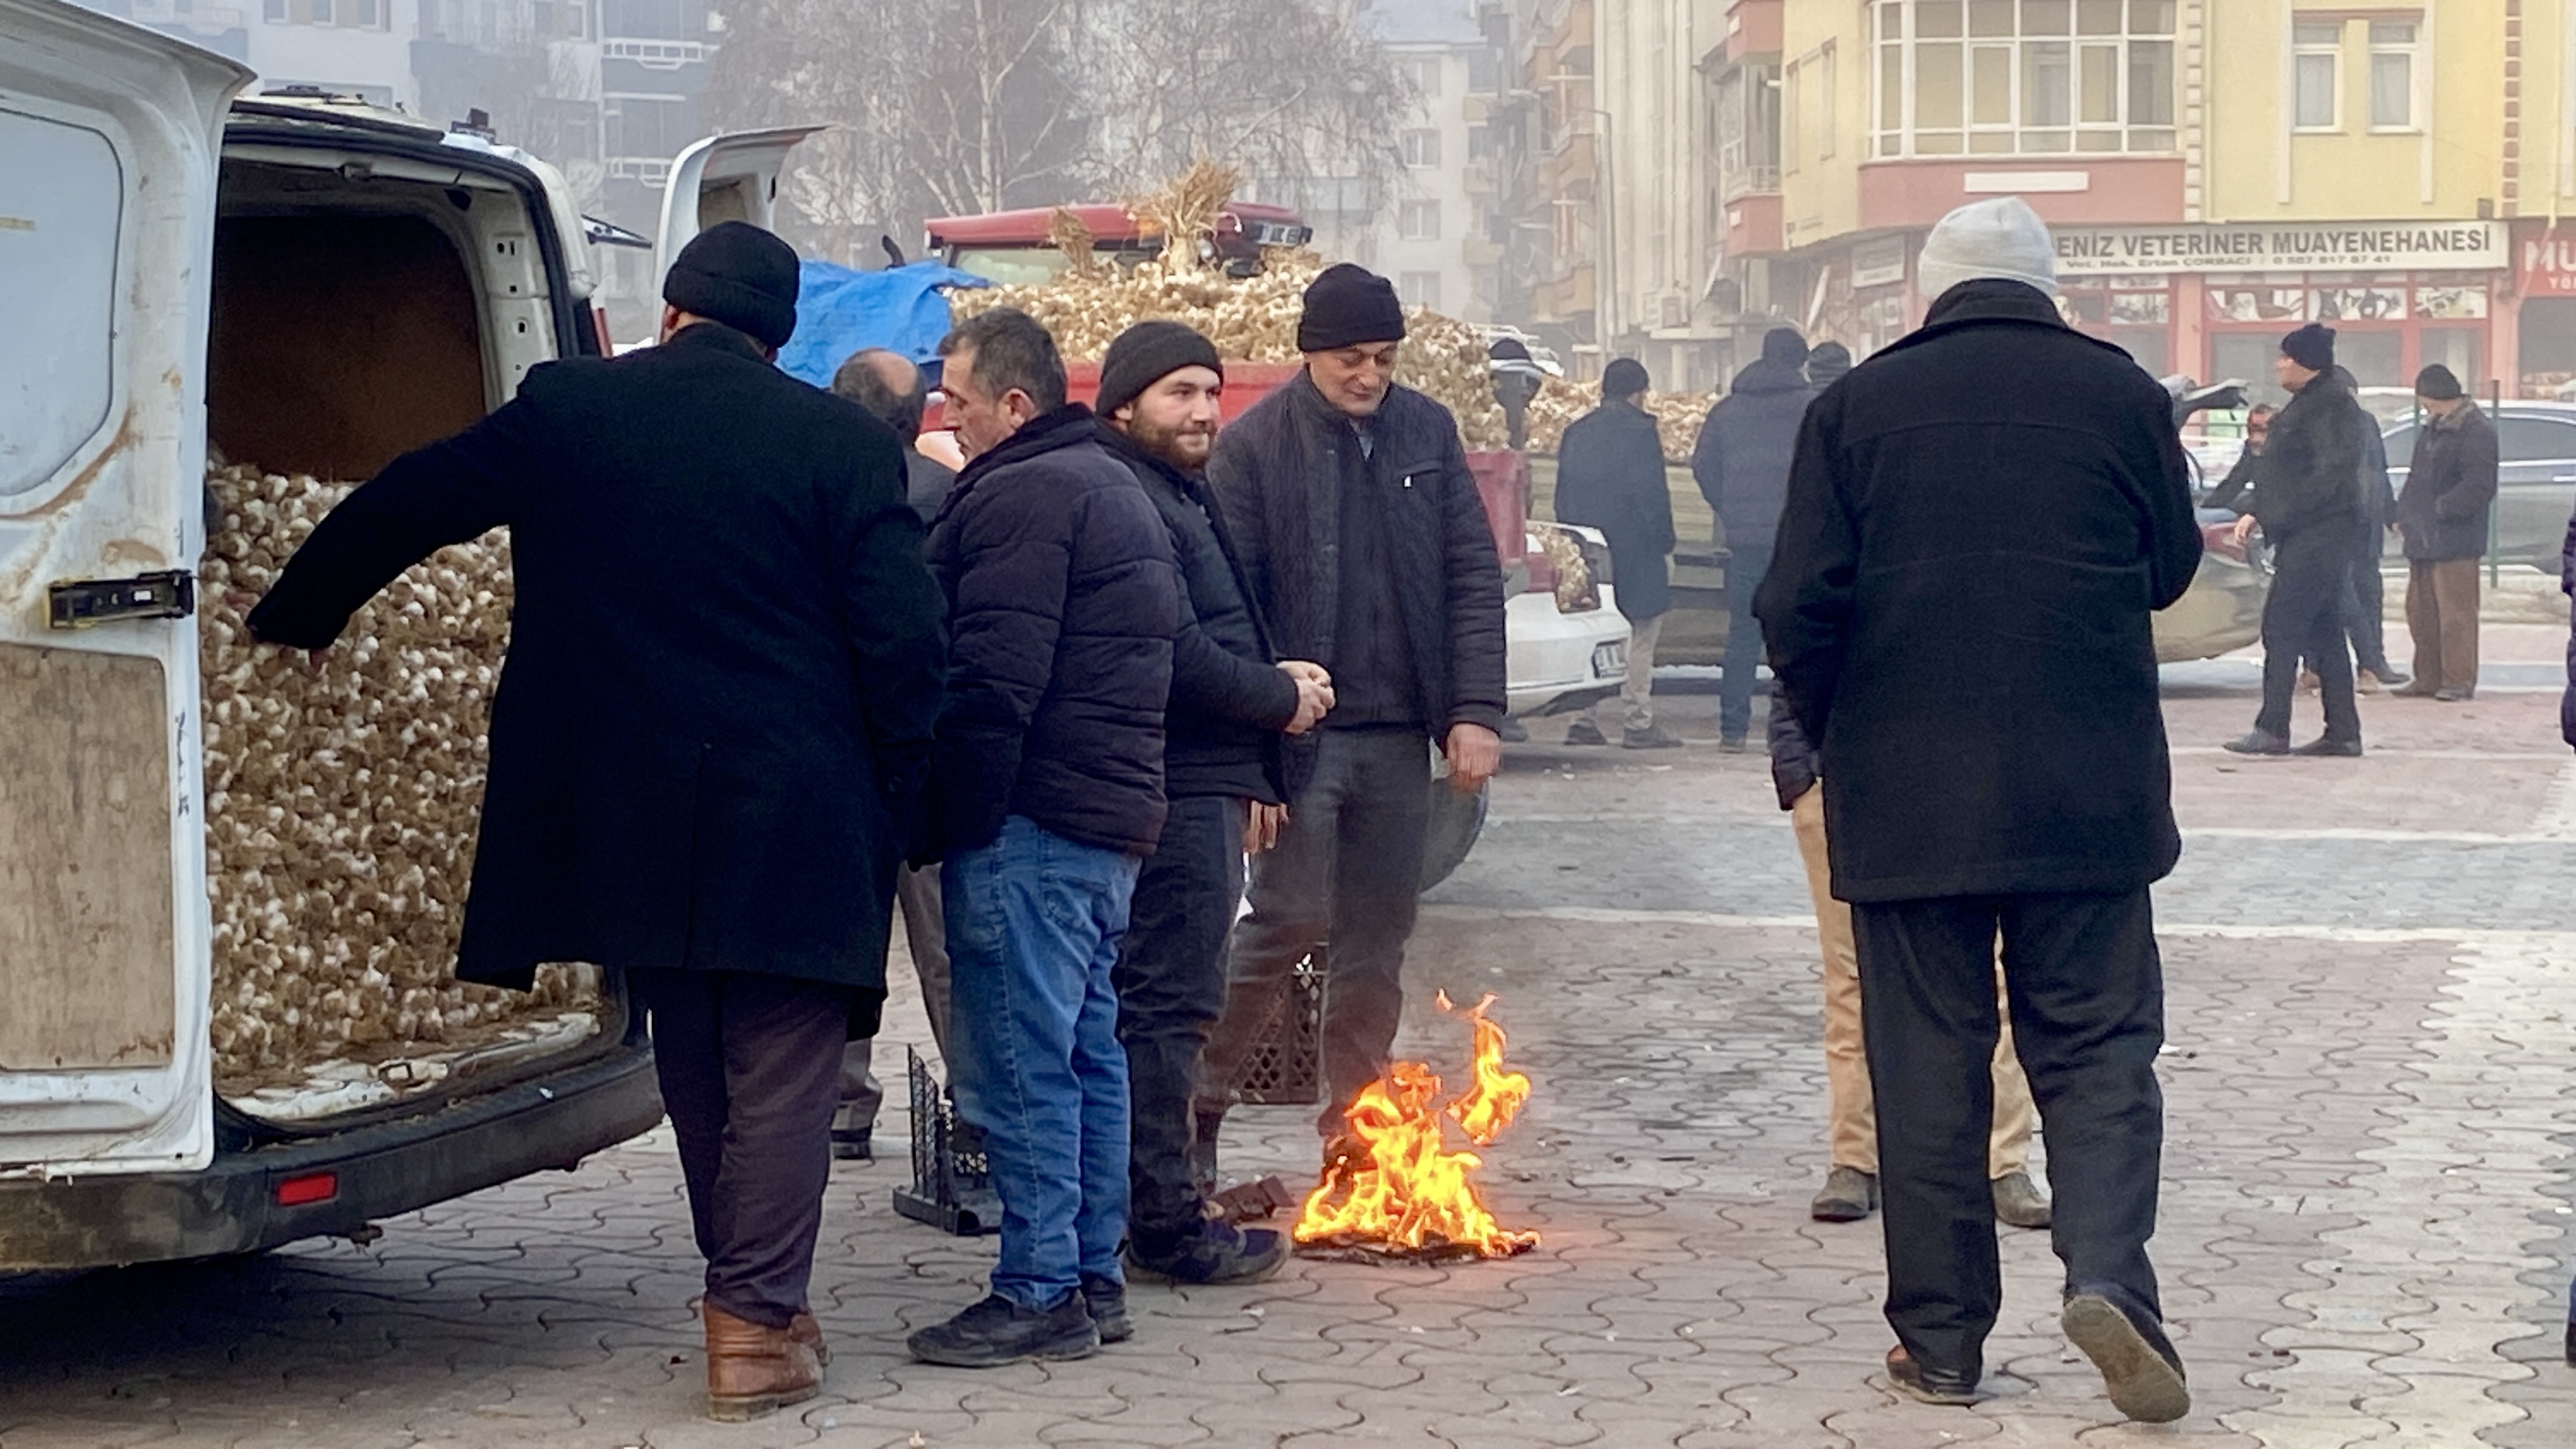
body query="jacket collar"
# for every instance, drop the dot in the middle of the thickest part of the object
(2457, 420)
(716, 336)
(1066, 427)
(1992, 301)
(1763, 375)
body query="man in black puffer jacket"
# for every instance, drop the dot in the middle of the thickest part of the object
(1159, 388)
(1742, 464)
(1367, 548)
(1046, 794)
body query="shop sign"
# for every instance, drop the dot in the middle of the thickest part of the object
(2451, 246)
(2549, 264)
(1879, 264)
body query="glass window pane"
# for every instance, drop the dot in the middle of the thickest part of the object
(2099, 88)
(2151, 141)
(2392, 32)
(2151, 17)
(1891, 88)
(2046, 87)
(1990, 17)
(2046, 143)
(1991, 143)
(2097, 17)
(2316, 77)
(2392, 90)
(1936, 87)
(1936, 143)
(2044, 17)
(1992, 69)
(2151, 83)
(2097, 140)
(1936, 20)
(2317, 32)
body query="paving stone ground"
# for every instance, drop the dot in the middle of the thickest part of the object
(2366, 1235)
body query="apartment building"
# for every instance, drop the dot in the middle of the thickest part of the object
(1432, 234)
(1546, 125)
(355, 47)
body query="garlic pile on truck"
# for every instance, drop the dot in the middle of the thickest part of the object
(341, 804)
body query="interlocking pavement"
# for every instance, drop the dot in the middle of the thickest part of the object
(2366, 1235)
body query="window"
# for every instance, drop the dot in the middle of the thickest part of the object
(1422, 74)
(1827, 111)
(275, 11)
(1793, 135)
(1419, 289)
(2018, 77)
(2534, 440)
(2392, 75)
(1480, 143)
(1422, 148)
(648, 127)
(1419, 221)
(2317, 71)
(1484, 73)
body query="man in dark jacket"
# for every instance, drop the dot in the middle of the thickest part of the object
(1159, 386)
(724, 666)
(2307, 497)
(1366, 547)
(890, 387)
(2365, 597)
(1982, 519)
(1046, 795)
(1610, 476)
(2234, 491)
(1742, 464)
(2443, 517)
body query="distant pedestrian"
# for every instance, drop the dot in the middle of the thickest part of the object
(1742, 465)
(1046, 794)
(2307, 497)
(1610, 476)
(2234, 492)
(2443, 516)
(1518, 380)
(1982, 519)
(1828, 364)
(2365, 598)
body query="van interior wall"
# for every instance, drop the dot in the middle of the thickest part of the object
(339, 341)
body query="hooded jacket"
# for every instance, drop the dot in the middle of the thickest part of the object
(1742, 459)
(2443, 512)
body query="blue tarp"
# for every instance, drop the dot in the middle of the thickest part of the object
(839, 311)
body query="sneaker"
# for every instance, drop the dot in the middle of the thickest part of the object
(998, 1331)
(1732, 744)
(2018, 1202)
(2258, 742)
(1585, 732)
(2328, 747)
(1216, 1253)
(1932, 1386)
(2139, 1367)
(850, 1144)
(2371, 681)
(1849, 1195)
(1105, 1299)
(1652, 737)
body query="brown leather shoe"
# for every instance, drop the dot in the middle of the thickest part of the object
(752, 1371)
(806, 1329)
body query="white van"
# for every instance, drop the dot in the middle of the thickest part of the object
(316, 286)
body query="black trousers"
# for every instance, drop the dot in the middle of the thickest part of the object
(2365, 603)
(751, 1074)
(1171, 990)
(2087, 994)
(2303, 617)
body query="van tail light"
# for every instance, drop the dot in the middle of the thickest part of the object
(312, 1187)
(2220, 539)
(599, 329)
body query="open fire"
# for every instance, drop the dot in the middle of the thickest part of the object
(1401, 1191)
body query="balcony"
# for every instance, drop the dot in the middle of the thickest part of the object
(652, 171)
(655, 54)
(1753, 27)
(1478, 177)
(1739, 182)
(1754, 226)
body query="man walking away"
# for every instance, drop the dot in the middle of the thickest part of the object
(2443, 517)
(1827, 365)
(1046, 792)
(890, 388)
(1742, 464)
(1980, 524)
(1610, 476)
(2307, 498)
(1159, 397)
(2365, 597)
(1850, 1192)
(1366, 547)
(703, 787)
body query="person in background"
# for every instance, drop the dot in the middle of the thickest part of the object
(1610, 476)
(1231, 698)
(1517, 383)
(1850, 1192)
(2442, 516)
(1365, 545)
(2309, 505)
(2365, 598)
(703, 784)
(1827, 365)
(1046, 794)
(1742, 465)
(891, 389)
(2231, 491)
(1979, 526)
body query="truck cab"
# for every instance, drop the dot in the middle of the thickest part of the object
(312, 286)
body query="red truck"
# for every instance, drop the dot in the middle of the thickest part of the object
(1016, 248)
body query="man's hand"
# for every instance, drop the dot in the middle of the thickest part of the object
(1475, 753)
(1314, 694)
(2243, 530)
(243, 601)
(1261, 827)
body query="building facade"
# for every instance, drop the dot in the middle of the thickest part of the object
(1433, 235)
(1548, 156)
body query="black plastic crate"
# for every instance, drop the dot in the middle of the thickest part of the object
(952, 1186)
(1287, 1063)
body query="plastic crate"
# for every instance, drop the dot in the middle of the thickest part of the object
(1287, 1062)
(952, 1186)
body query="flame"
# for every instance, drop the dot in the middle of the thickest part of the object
(1403, 1188)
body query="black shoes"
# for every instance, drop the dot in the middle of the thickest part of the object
(2451, 696)
(2139, 1367)
(1105, 1299)
(1215, 1253)
(998, 1331)
(1652, 737)
(2328, 747)
(2259, 742)
(1585, 732)
(850, 1144)
(1932, 1386)
(1732, 744)
(1849, 1195)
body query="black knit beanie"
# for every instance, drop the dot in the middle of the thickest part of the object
(741, 276)
(1828, 363)
(1347, 306)
(1784, 345)
(2438, 384)
(1144, 355)
(2311, 347)
(1624, 377)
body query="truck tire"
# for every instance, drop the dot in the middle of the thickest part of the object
(1456, 821)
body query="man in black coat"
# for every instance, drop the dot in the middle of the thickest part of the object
(1610, 476)
(1046, 794)
(1159, 388)
(2365, 598)
(2443, 516)
(723, 671)
(1366, 547)
(2308, 499)
(1980, 523)
(1742, 464)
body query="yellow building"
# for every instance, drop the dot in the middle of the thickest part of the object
(2217, 170)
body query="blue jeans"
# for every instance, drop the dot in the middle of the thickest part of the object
(1034, 923)
(1736, 686)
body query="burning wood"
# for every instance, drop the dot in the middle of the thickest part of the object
(1399, 1191)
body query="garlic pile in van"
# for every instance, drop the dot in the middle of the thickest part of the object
(341, 800)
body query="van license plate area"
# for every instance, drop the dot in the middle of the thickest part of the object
(1609, 659)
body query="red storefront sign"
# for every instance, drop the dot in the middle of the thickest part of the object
(2548, 263)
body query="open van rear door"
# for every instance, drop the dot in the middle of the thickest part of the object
(108, 153)
(722, 178)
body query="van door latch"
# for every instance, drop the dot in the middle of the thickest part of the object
(81, 603)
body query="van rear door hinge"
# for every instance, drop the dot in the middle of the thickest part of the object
(81, 603)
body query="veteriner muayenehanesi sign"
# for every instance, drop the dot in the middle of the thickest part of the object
(2448, 246)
